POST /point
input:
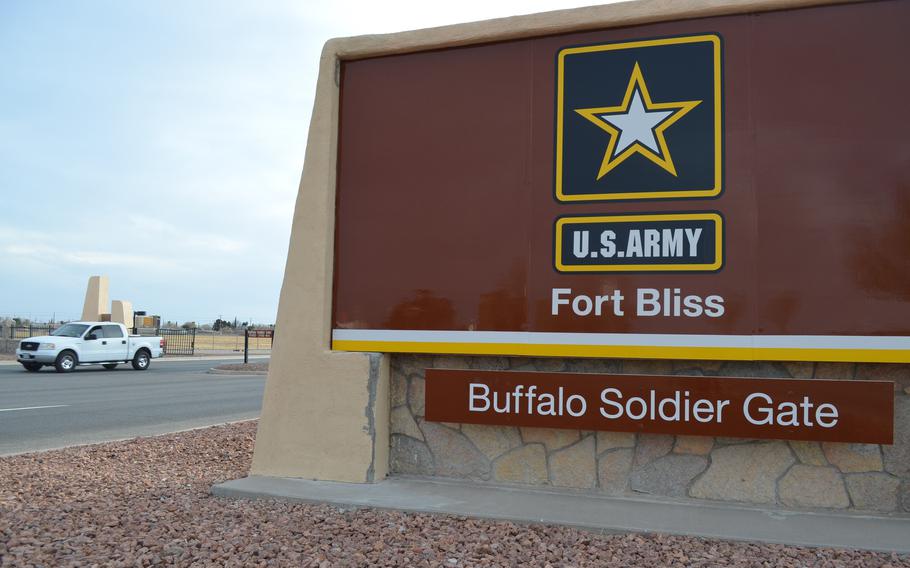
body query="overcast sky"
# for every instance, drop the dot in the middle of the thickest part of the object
(161, 142)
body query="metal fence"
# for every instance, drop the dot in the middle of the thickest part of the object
(24, 331)
(178, 341)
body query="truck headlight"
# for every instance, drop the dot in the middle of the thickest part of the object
(43, 346)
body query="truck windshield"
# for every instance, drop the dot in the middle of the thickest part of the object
(71, 330)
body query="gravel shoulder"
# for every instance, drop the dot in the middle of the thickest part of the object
(146, 502)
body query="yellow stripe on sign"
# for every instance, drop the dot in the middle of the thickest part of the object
(630, 351)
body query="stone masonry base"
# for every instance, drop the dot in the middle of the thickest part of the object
(786, 475)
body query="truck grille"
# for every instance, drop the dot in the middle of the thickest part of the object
(28, 346)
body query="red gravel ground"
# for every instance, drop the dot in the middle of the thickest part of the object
(146, 502)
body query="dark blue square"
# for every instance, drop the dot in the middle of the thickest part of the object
(679, 69)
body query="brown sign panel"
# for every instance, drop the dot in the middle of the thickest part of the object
(496, 198)
(784, 409)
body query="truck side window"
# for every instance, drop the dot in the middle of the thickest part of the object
(112, 331)
(97, 331)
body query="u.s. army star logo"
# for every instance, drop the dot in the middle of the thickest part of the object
(637, 125)
(640, 120)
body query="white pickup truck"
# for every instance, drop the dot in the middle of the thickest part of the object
(88, 343)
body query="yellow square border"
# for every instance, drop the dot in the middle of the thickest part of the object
(715, 40)
(712, 216)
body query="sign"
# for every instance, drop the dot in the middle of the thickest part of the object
(675, 242)
(261, 333)
(629, 127)
(783, 409)
(713, 188)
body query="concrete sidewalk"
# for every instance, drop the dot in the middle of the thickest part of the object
(599, 513)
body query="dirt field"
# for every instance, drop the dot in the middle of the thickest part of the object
(146, 502)
(212, 342)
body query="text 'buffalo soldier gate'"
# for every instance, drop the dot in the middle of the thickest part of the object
(645, 248)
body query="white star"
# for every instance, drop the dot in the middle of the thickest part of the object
(636, 125)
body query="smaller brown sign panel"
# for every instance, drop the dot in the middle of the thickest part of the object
(784, 409)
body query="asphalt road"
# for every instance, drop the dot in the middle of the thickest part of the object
(46, 410)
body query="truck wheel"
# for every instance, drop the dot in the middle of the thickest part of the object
(110, 366)
(141, 360)
(32, 367)
(66, 362)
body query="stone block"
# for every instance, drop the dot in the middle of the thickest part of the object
(574, 466)
(695, 445)
(527, 464)
(488, 363)
(611, 440)
(593, 365)
(809, 453)
(493, 441)
(551, 438)
(647, 367)
(813, 486)
(398, 389)
(410, 457)
(897, 456)
(669, 475)
(414, 364)
(613, 471)
(838, 371)
(453, 454)
(551, 364)
(402, 422)
(738, 369)
(874, 491)
(799, 369)
(897, 373)
(417, 395)
(691, 372)
(770, 370)
(652, 446)
(730, 441)
(853, 458)
(693, 366)
(450, 362)
(744, 472)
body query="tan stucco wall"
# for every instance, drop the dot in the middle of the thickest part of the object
(325, 415)
(321, 409)
(96, 298)
(122, 312)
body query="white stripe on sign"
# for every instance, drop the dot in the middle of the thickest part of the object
(33, 407)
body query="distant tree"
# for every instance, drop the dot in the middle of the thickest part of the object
(189, 325)
(221, 325)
